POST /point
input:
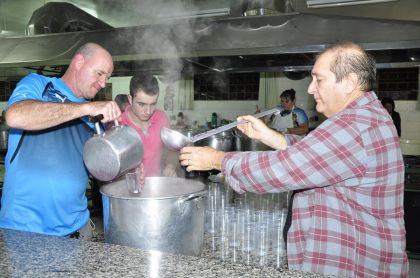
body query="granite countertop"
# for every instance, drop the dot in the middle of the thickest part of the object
(25, 254)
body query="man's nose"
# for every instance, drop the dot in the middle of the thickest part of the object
(102, 81)
(148, 109)
(311, 88)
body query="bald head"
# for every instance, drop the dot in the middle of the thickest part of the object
(349, 58)
(89, 49)
(89, 70)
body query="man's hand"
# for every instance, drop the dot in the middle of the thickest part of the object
(201, 158)
(253, 128)
(109, 109)
(256, 129)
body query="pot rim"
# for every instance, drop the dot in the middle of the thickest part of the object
(137, 197)
(200, 192)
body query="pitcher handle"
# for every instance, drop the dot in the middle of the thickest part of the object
(96, 119)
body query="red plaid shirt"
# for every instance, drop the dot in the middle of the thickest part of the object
(349, 220)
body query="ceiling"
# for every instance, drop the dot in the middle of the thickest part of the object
(15, 14)
(233, 44)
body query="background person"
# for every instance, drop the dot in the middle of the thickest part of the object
(143, 116)
(389, 105)
(45, 182)
(347, 174)
(291, 119)
(122, 101)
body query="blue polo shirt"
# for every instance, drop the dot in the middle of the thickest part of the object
(45, 184)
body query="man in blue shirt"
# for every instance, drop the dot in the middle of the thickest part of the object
(45, 180)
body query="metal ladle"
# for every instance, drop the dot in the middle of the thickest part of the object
(175, 140)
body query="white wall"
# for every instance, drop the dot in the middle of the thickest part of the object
(120, 85)
(2, 105)
(410, 119)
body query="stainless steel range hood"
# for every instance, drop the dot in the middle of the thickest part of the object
(258, 43)
(60, 17)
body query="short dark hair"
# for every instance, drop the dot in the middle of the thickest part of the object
(357, 61)
(144, 82)
(289, 94)
(121, 100)
(388, 100)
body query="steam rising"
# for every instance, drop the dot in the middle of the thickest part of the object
(169, 33)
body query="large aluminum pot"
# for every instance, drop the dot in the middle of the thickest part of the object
(168, 215)
(224, 141)
(244, 143)
(110, 154)
(193, 174)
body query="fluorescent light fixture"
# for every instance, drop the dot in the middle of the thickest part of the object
(6, 33)
(339, 3)
(202, 13)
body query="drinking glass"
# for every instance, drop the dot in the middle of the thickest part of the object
(132, 181)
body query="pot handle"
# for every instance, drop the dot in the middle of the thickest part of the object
(193, 196)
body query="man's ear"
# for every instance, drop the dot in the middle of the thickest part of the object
(79, 61)
(351, 83)
(130, 99)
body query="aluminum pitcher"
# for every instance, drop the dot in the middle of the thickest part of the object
(110, 154)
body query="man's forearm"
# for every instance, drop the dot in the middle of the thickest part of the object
(275, 140)
(37, 115)
(301, 130)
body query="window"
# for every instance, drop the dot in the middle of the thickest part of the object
(398, 84)
(6, 89)
(223, 86)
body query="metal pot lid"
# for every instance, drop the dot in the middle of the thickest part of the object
(154, 188)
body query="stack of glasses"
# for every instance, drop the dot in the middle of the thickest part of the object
(246, 228)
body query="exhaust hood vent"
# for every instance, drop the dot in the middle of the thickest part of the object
(62, 17)
(280, 43)
(340, 3)
(265, 7)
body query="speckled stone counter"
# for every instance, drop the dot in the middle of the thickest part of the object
(33, 255)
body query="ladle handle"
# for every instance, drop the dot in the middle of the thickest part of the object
(212, 132)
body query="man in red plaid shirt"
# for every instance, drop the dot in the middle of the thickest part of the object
(347, 215)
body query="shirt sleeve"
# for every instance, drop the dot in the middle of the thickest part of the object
(302, 118)
(29, 88)
(332, 153)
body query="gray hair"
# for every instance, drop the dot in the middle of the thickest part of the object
(352, 58)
